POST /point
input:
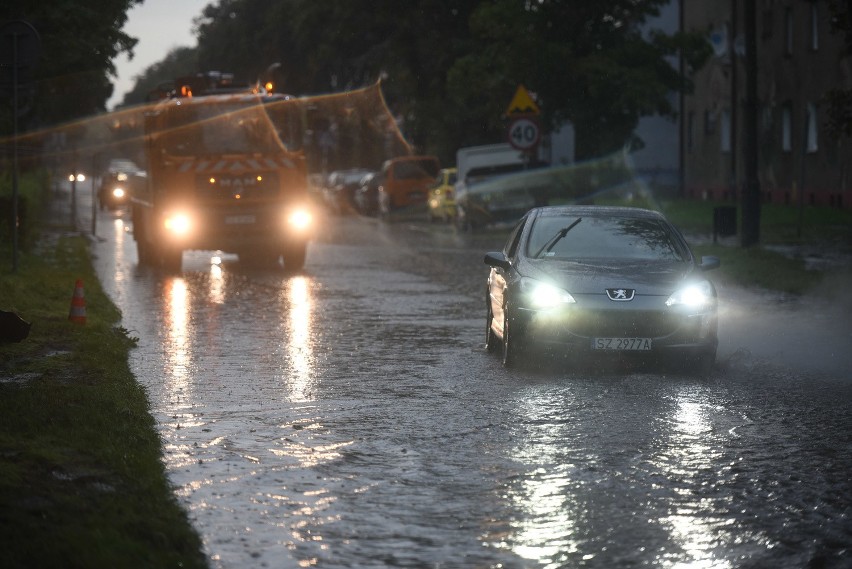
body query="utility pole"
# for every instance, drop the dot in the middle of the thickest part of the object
(751, 195)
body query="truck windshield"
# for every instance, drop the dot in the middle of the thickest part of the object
(210, 129)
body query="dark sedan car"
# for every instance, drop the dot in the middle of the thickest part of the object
(608, 281)
(116, 183)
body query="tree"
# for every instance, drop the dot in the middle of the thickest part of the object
(79, 42)
(588, 63)
(180, 61)
(449, 67)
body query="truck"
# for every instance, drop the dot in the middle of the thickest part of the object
(482, 195)
(223, 174)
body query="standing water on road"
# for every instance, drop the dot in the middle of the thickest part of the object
(349, 416)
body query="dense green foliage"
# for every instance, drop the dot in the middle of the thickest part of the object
(79, 42)
(450, 68)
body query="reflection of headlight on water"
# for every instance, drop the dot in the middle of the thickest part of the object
(178, 223)
(300, 219)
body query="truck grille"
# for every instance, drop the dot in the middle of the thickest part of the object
(245, 186)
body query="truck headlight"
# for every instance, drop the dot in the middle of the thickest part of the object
(300, 219)
(178, 223)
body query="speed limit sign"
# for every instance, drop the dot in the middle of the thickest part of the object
(524, 133)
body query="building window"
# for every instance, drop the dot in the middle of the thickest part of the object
(787, 128)
(709, 122)
(788, 31)
(812, 145)
(814, 27)
(766, 27)
(725, 135)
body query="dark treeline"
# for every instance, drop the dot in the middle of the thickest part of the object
(448, 67)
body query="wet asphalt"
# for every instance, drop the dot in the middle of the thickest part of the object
(349, 416)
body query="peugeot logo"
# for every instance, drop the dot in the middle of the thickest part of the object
(620, 294)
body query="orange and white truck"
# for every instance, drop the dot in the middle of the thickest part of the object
(223, 175)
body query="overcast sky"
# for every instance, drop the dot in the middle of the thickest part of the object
(160, 26)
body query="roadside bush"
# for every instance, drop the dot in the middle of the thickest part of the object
(33, 188)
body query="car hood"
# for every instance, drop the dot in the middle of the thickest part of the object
(595, 276)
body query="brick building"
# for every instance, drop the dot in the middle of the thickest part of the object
(799, 59)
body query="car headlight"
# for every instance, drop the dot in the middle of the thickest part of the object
(118, 193)
(696, 296)
(542, 296)
(178, 223)
(300, 219)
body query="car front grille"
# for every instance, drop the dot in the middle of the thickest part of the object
(623, 324)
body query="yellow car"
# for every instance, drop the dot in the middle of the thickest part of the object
(442, 202)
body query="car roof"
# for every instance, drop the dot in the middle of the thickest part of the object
(597, 211)
(122, 164)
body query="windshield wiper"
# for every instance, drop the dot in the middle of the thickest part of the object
(551, 243)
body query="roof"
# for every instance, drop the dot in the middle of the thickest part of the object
(599, 211)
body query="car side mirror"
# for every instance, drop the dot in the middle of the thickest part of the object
(709, 262)
(497, 260)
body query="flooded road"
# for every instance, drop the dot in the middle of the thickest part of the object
(349, 416)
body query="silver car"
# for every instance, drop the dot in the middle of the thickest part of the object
(597, 281)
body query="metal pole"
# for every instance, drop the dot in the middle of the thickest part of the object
(74, 187)
(15, 152)
(732, 131)
(94, 205)
(751, 196)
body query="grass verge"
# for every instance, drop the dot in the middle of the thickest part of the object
(810, 227)
(82, 482)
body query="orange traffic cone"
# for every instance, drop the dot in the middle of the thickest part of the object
(78, 304)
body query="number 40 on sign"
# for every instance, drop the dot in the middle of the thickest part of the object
(524, 133)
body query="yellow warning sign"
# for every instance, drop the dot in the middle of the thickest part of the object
(522, 103)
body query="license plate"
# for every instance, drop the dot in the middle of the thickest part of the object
(624, 344)
(239, 219)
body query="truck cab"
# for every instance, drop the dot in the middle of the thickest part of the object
(223, 175)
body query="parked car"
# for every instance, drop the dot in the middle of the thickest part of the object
(406, 181)
(341, 188)
(442, 203)
(367, 194)
(499, 193)
(115, 187)
(585, 281)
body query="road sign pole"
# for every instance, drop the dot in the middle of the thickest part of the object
(15, 152)
(20, 59)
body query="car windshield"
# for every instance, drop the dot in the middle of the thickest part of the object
(604, 238)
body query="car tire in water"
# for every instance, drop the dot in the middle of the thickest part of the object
(511, 349)
(702, 364)
(491, 340)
